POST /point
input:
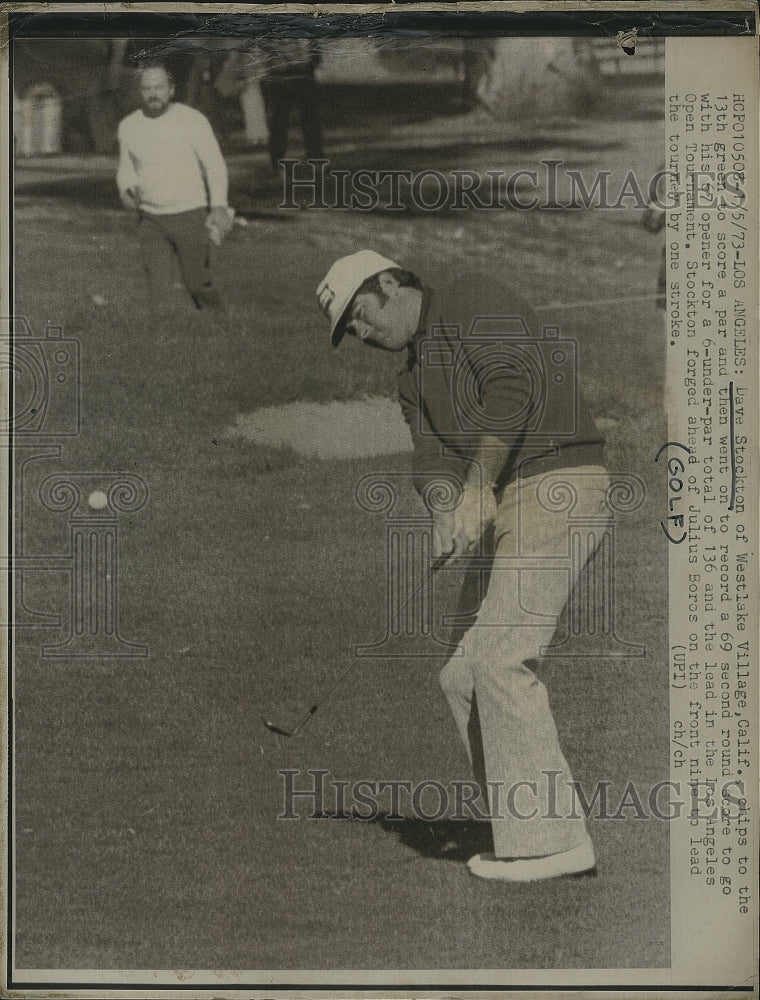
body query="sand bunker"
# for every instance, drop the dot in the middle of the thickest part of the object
(357, 429)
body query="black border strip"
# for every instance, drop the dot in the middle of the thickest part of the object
(603, 24)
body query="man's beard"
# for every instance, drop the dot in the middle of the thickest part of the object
(154, 109)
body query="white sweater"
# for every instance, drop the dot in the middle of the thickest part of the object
(173, 160)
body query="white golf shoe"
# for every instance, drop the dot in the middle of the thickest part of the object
(574, 862)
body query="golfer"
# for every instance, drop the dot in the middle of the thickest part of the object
(521, 450)
(172, 171)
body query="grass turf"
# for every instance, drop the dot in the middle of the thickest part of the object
(147, 791)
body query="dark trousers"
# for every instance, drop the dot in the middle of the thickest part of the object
(281, 96)
(181, 236)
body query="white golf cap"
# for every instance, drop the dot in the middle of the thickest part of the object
(341, 283)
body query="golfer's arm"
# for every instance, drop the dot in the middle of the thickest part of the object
(488, 462)
(429, 463)
(503, 398)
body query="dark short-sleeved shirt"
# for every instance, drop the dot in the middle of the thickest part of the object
(481, 363)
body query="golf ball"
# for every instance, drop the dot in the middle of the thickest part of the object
(97, 500)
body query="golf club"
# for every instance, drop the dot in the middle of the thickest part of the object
(282, 731)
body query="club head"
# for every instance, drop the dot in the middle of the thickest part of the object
(276, 729)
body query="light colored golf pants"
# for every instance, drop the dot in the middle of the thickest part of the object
(532, 575)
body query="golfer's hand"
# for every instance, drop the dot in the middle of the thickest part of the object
(219, 223)
(475, 512)
(443, 535)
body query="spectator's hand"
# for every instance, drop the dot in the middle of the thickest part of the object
(130, 197)
(219, 223)
(475, 512)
